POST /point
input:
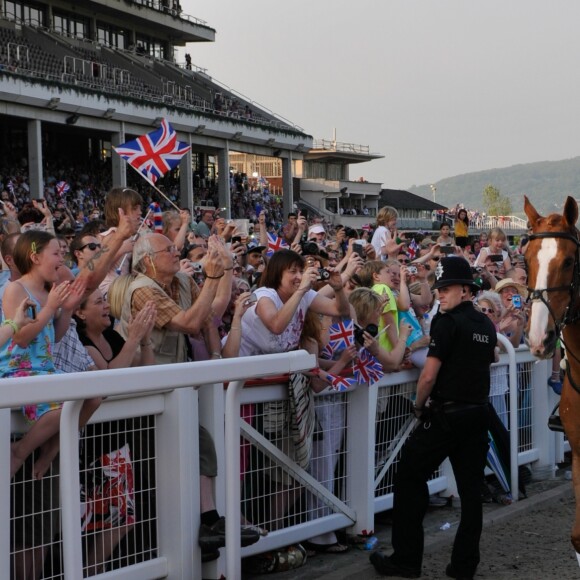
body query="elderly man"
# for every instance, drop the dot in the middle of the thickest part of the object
(183, 309)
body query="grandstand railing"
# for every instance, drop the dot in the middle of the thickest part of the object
(376, 418)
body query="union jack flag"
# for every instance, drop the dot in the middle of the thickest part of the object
(339, 383)
(157, 217)
(326, 353)
(62, 187)
(155, 153)
(340, 336)
(275, 243)
(367, 369)
(412, 249)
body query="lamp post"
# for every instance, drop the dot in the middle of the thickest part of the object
(433, 190)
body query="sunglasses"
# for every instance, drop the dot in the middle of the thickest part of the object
(404, 261)
(486, 310)
(436, 258)
(91, 246)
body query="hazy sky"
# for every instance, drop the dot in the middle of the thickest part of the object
(439, 87)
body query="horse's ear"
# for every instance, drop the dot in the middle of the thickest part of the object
(571, 211)
(533, 215)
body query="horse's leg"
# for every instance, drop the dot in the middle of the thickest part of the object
(569, 413)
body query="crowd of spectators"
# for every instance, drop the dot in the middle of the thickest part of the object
(271, 288)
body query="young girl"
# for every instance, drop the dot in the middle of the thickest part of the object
(495, 251)
(461, 228)
(385, 237)
(444, 238)
(38, 258)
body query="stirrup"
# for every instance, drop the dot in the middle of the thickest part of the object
(554, 421)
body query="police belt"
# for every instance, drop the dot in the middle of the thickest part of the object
(453, 406)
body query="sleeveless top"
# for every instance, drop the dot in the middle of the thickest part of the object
(115, 340)
(36, 358)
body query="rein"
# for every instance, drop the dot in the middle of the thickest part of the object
(542, 294)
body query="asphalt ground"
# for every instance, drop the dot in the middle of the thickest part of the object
(548, 501)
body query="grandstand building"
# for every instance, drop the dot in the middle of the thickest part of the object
(79, 76)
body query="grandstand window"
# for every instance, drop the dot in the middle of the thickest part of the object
(71, 26)
(316, 170)
(27, 13)
(110, 35)
(146, 45)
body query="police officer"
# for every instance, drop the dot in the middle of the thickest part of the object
(451, 403)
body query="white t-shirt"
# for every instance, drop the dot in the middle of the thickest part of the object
(257, 339)
(485, 252)
(380, 239)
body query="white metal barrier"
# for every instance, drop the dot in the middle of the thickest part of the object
(376, 419)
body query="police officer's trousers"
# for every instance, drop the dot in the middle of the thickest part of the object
(461, 435)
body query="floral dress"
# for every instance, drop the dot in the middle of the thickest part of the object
(35, 359)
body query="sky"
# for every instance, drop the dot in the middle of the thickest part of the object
(439, 87)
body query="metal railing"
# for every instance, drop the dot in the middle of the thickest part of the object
(380, 415)
(330, 145)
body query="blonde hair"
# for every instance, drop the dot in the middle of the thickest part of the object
(169, 218)
(117, 292)
(365, 303)
(492, 298)
(386, 214)
(496, 234)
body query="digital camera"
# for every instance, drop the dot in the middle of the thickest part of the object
(372, 329)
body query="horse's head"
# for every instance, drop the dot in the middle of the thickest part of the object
(552, 261)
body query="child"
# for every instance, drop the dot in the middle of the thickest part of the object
(385, 237)
(377, 275)
(495, 251)
(38, 258)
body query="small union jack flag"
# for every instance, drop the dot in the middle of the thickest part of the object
(339, 383)
(157, 217)
(62, 187)
(155, 153)
(275, 243)
(367, 369)
(412, 249)
(340, 336)
(326, 353)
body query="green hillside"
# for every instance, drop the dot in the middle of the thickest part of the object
(546, 183)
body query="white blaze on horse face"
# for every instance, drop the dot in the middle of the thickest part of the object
(539, 314)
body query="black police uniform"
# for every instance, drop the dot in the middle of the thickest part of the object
(463, 339)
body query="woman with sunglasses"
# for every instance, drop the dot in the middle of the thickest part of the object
(490, 304)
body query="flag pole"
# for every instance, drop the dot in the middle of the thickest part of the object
(154, 186)
(133, 238)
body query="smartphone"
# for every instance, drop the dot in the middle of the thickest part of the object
(32, 312)
(357, 248)
(304, 213)
(496, 257)
(236, 239)
(250, 299)
(447, 250)
(516, 301)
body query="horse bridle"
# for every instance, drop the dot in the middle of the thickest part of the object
(543, 294)
(572, 288)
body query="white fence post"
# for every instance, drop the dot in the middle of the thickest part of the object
(211, 416)
(543, 439)
(362, 409)
(177, 477)
(69, 490)
(5, 502)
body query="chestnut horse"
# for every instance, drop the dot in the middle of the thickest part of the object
(553, 261)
